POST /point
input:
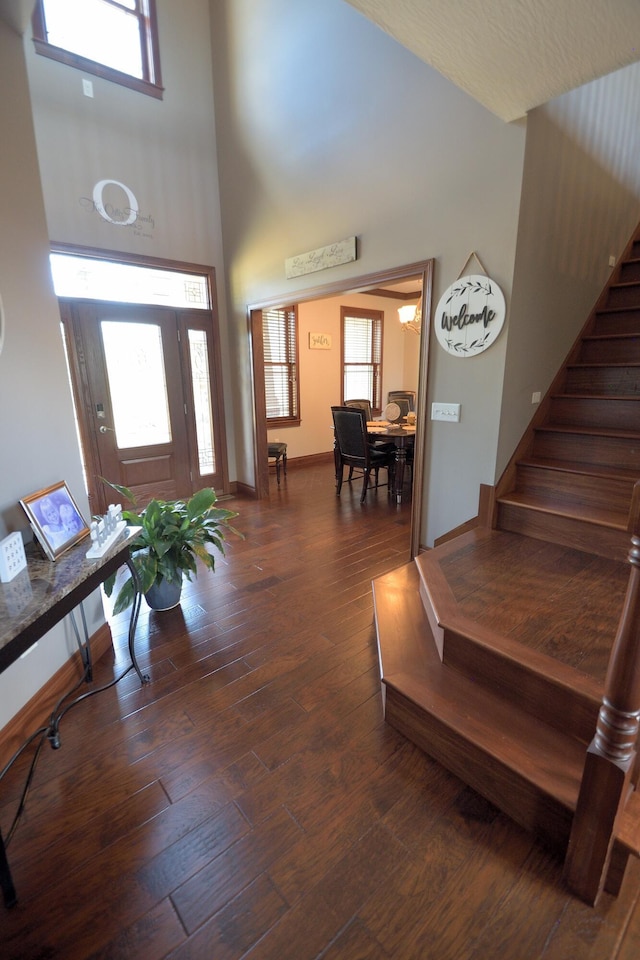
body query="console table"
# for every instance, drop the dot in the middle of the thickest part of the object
(40, 597)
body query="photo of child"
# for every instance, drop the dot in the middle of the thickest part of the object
(55, 519)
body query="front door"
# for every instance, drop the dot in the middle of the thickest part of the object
(144, 384)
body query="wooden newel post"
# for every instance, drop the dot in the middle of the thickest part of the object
(606, 780)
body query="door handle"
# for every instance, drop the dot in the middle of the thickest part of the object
(104, 429)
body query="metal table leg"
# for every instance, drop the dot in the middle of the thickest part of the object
(6, 881)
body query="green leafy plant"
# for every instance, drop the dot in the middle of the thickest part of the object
(175, 535)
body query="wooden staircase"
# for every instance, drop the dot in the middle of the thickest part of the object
(504, 651)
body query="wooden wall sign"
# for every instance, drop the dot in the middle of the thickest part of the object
(469, 316)
(319, 341)
(344, 251)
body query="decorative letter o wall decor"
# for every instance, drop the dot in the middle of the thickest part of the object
(120, 216)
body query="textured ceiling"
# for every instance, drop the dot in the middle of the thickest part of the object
(512, 55)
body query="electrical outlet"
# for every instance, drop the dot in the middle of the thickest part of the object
(12, 557)
(536, 396)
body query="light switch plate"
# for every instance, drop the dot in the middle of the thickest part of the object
(445, 411)
(12, 557)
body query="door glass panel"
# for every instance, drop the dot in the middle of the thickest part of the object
(85, 278)
(199, 354)
(137, 383)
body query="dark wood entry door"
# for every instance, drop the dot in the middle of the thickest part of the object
(135, 370)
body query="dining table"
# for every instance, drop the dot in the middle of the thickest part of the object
(402, 435)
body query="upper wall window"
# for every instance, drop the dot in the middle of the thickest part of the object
(113, 39)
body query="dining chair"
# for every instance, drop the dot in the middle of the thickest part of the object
(352, 449)
(402, 405)
(409, 395)
(366, 406)
(362, 405)
(278, 449)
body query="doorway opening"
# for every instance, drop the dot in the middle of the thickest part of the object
(143, 351)
(387, 285)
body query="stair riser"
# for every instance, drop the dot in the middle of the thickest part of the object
(601, 541)
(630, 270)
(582, 411)
(589, 448)
(610, 351)
(557, 487)
(622, 321)
(532, 808)
(626, 296)
(557, 705)
(607, 381)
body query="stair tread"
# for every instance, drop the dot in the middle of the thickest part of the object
(503, 561)
(543, 756)
(615, 519)
(607, 364)
(540, 754)
(616, 309)
(596, 396)
(575, 466)
(589, 431)
(611, 336)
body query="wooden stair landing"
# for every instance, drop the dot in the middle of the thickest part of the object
(553, 599)
(492, 660)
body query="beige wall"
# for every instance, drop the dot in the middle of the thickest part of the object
(37, 434)
(320, 371)
(330, 129)
(164, 151)
(580, 205)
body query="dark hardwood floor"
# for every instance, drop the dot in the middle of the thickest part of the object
(250, 802)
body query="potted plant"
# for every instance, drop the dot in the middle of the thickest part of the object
(175, 535)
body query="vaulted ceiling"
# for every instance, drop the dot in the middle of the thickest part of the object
(509, 55)
(513, 55)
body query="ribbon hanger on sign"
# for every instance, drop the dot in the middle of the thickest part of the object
(471, 256)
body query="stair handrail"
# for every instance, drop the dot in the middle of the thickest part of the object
(607, 779)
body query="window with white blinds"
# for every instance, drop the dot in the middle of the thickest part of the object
(280, 344)
(362, 355)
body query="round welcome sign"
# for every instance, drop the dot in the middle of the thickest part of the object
(470, 316)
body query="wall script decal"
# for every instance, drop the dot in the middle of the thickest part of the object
(117, 204)
(319, 341)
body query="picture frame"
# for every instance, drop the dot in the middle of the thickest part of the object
(55, 518)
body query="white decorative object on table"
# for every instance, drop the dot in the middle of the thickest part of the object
(12, 557)
(106, 531)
